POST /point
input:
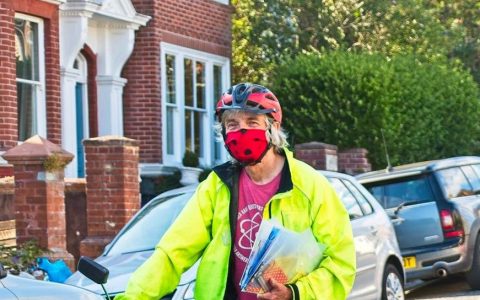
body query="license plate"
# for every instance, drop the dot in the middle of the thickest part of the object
(409, 262)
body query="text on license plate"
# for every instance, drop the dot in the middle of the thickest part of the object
(409, 262)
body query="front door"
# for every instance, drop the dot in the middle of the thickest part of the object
(81, 108)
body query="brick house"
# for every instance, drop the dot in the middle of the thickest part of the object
(61, 70)
(178, 69)
(145, 69)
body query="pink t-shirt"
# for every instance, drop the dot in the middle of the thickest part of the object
(252, 198)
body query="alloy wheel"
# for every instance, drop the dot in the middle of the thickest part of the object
(394, 288)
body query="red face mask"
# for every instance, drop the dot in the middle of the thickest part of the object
(247, 146)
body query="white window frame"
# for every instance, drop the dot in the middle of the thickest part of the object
(180, 53)
(41, 112)
(226, 2)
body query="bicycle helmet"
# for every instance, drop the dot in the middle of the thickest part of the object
(252, 98)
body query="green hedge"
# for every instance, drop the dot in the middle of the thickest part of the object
(428, 110)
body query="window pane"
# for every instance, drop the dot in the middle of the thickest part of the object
(169, 130)
(472, 178)
(198, 134)
(188, 66)
(26, 49)
(407, 192)
(347, 198)
(170, 70)
(200, 84)
(188, 129)
(217, 84)
(26, 102)
(476, 183)
(366, 207)
(454, 183)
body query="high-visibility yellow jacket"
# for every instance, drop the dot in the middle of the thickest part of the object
(305, 199)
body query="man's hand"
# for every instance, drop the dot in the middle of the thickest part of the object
(277, 291)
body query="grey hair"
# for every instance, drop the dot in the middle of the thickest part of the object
(277, 137)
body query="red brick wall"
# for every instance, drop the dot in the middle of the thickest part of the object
(8, 87)
(112, 174)
(199, 24)
(113, 189)
(6, 170)
(141, 100)
(8, 96)
(315, 154)
(202, 25)
(39, 218)
(353, 161)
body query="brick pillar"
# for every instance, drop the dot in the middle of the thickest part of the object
(353, 161)
(113, 189)
(39, 195)
(321, 156)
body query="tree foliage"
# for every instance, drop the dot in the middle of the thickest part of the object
(427, 110)
(265, 32)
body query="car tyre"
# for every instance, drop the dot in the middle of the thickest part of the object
(473, 276)
(392, 284)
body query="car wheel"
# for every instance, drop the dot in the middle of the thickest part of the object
(473, 276)
(392, 285)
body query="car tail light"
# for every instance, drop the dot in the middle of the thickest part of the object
(451, 226)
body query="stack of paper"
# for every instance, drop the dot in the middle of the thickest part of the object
(281, 254)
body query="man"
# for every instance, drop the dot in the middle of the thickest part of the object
(220, 222)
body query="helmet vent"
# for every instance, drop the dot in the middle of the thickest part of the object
(270, 97)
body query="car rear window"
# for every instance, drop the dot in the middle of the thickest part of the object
(392, 194)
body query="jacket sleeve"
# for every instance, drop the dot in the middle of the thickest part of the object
(180, 247)
(334, 277)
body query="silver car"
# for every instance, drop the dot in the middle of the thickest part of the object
(378, 256)
(14, 287)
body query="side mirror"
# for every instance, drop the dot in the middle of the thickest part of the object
(94, 271)
(3, 273)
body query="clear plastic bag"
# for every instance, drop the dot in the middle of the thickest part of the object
(281, 254)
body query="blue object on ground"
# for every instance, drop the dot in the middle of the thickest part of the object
(57, 271)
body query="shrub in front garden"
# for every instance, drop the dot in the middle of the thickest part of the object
(427, 109)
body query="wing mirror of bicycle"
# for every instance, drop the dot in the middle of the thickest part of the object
(94, 271)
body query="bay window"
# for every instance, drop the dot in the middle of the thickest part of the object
(192, 82)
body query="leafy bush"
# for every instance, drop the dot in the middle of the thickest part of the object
(190, 159)
(21, 258)
(428, 110)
